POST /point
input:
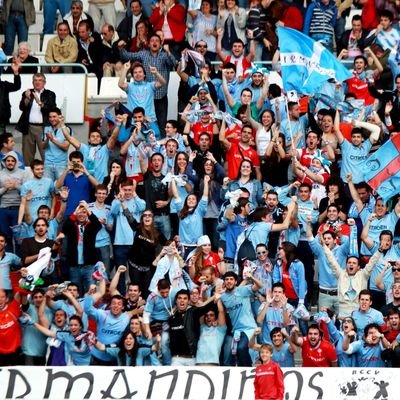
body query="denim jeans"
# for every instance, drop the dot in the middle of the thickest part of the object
(16, 25)
(50, 8)
(53, 171)
(120, 258)
(163, 224)
(165, 350)
(8, 217)
(82, 276)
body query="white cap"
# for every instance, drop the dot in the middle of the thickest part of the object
(202, 240)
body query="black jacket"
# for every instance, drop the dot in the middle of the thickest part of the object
(191, 325)
(363, 42)
(48, 99)
(5, 106)
(70, 230)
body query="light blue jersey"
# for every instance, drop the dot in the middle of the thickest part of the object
(52, 153)
(8, 260)
(70, 310)
(362, 319)
(388, 222)
(353, 160)
(337, 338)
(237, 305)
(274, 319)
(367, 356)
(191, 227)
(96, 159)
(34, 343)
(297, 126)
(160, 308)
(284, 357)
(390, 255)
(210, 343)
(326, 278)
(102, 237)
(124, 234)
(110, 328)
(141, 94)
(77, 352)
(42, 191)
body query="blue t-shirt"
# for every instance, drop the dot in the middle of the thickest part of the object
(70, 310)
(42, 191)
(388, 222)
(232, 231)
(52, 153)
(367, 356)
(102, 237)
(124, 234)
(353, 160)
(209, 344)
(76, 352)
(34, 343)
(8, 260)
(110, 328)
(362, 319)
(96, 159)
(191, 227)
(284, 357)
(237, 304)
(160, 308)
(141, 94)
(79, 189)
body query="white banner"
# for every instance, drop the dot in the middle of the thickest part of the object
(212, 383)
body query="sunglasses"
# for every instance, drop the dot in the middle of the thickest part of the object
(259, 253)
(147, 215)
(347, 320)
(201, 46)
(395, 269)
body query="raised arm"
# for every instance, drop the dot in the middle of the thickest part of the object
(70, 139)
(354, 194)
(365, 232)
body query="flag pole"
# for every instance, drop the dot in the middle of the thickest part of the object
(290, 125)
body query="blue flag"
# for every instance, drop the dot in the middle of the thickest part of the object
(305, 63)
(382, 169)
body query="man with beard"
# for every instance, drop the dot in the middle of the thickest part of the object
(237, 304)
(316, 351)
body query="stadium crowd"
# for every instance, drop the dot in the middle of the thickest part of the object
(194, 241)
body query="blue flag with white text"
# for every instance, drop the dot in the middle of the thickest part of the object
(305, 63)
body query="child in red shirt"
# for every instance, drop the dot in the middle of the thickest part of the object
(268, 382)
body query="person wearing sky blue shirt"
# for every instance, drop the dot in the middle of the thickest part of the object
(42, 189)
(368, 351)
(156, 312)
(77, 351)
(390, 252)
(7, 260)
(102, 211)
(55, 145)
(111, 323)
(365, 314)
(294, 125)
(328, 294)
(237, 304)
(381, 219)
(141, 93)
(34, 344)
(355, 153)
(95, 154)
(191, 213)
(124, 234)
(212, 334)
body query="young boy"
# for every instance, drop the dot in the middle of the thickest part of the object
(268, 382)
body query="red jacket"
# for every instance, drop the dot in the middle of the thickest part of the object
(268, 382)
(293, 18)
(176, 20)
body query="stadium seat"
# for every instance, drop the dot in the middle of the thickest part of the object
(109, 88)
(91, 86)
